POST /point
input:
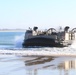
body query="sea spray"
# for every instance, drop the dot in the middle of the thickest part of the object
(18, 41)
(39, 53)
(73, 45)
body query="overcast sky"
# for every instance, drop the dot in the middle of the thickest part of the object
(41, 13)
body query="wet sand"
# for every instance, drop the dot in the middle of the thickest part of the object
(20, 65)
(38, 61)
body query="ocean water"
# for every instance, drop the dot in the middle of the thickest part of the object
(18, 64)
(11, 39)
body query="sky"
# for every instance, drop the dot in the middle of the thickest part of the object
(42, 13)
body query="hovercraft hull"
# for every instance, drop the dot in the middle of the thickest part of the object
(41, 42)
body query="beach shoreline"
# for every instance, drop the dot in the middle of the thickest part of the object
(55, 53)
